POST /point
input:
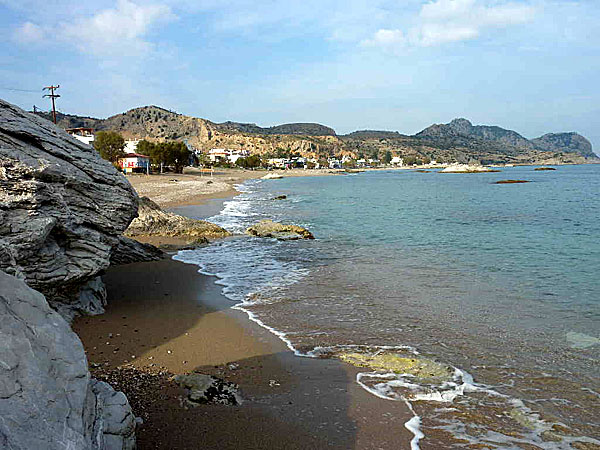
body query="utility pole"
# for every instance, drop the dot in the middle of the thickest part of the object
(52, 95)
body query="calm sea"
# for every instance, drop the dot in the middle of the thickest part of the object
(501, 282)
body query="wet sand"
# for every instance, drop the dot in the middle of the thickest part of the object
(164, 318)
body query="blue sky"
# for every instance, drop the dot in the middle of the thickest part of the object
(530, 65)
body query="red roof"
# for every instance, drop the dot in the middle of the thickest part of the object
(130, 155)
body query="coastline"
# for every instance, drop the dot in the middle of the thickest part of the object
(164, 318)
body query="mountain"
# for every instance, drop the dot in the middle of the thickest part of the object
(565, 142)
(458, 140)
(373, 134)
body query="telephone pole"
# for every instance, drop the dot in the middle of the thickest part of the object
(52, 95)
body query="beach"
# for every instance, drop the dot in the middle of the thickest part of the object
(164, 318)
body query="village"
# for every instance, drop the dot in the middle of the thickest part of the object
(132, 161)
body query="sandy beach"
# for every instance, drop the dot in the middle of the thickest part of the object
(164, 318)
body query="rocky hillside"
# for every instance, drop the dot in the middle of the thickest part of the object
(458, 140)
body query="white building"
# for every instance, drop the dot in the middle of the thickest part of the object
(131, 145)
(135, 162)
(225, 154)
(85, 135)
(397, 161)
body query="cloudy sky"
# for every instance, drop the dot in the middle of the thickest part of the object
(529, 65)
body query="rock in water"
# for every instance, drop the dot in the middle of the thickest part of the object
(153, 221)
(62, 209)
(47, 398)
(268, 228)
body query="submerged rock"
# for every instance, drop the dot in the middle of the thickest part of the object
(47, 397)
(544, 168)
(153, 221)
(268, 228)
(420, 368)
(208, 389)
(280, 197)
(62, 209)
(511, 181)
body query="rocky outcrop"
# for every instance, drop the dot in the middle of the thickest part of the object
(270, 229)
(131, 251)
(565, 142)
(62, 209)
(153, 221)
(47, 398)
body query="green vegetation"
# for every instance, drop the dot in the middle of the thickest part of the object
(174, 153)
(110, 145)
(250, 162)
(387, 157)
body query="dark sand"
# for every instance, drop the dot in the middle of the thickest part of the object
(289, 402)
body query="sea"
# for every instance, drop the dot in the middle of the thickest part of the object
(498, 285)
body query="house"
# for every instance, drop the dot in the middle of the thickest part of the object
(131, 145)
(135, 163)
(335, 164)
(85, 135)
(397, 161)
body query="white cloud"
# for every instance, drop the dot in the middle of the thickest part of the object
(114, 32)
(29, 33)
(385, 38)
(444, 21)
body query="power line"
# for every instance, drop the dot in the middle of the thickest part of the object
(17, 90)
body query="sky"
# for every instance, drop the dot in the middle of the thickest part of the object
(528, 65)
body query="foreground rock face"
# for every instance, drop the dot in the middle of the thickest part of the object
(130, 251)
(47, 398)
(153, 221)
(268, 228)
(62, 209)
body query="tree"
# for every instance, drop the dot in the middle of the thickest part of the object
(145, 147)
(174, 154)
(387, 157)
(250, 162)
(110, 145)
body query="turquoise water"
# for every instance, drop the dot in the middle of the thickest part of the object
(498, 280)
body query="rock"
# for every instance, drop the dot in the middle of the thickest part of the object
(467, 168)
(47, 397)
(544, 168)
(272, 176)
(153, 221)
(280, 197)
(208, 389)
(129, 251)
(62, 209)
(511, 181)
(268, 228)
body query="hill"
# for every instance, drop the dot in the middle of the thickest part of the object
(458, 140)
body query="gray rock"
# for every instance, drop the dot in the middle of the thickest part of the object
(47, 398)
(208, 389)
(129, 251)
(62, 209)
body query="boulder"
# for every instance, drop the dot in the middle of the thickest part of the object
(62, 209)
(47, 397)
(208, 389)
(153, 221)
(129, 251)
(268, 228)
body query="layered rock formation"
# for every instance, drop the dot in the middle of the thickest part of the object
(153, 221)
(47, 398)
(62, 209)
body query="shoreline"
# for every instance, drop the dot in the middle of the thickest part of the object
(181, 322)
